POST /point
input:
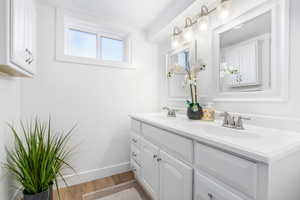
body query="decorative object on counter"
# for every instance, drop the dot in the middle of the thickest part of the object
(37, 158)
(208, 113)
(194, 110)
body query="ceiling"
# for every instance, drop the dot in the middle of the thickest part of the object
(136, 13)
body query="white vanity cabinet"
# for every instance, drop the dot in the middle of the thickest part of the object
(18, 37)
(183, 162)
(163, 175)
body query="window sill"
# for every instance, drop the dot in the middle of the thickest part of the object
(94, 62)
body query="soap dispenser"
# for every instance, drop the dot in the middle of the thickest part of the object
(208, 113)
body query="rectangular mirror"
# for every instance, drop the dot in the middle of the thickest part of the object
(178, 61)
(245, 56)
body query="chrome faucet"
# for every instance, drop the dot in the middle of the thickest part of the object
(230, 121)
(171, 112)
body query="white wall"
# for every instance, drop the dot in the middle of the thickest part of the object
(289, 109)
(9, 112)
(98, 99)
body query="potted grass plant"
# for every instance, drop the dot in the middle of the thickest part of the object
(38, 158)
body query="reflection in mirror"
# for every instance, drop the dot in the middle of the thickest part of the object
(178, 61)
(245, 56)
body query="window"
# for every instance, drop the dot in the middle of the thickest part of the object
(112, 49)
(84, 42)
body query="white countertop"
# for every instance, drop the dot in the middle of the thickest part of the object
(255, 143)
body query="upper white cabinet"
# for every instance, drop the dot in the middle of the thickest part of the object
(243, 59)
(18, 38)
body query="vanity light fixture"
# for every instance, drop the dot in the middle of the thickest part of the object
(188, 29)
(203, 19)
(176, 37)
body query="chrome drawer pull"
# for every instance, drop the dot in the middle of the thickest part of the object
(134, 140)
(134, 154)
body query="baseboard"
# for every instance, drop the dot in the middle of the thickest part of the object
(87, 176)
(94, 174)
(16, 195)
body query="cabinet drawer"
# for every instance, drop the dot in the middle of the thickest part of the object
(136, 169)
(180, 146)
(135, 154)
(206, 189)
(136, 126)
(136, 140)
(236, 172)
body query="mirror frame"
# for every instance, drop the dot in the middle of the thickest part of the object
(279, 54)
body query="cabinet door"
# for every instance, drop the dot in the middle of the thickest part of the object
(18, 38)
(149, 168)
(30, 35)
(176, 179)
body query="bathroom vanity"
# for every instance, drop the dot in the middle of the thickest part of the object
(179, 159)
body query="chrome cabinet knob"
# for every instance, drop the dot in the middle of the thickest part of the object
(133, 154)
(211, 197)
(155, 156)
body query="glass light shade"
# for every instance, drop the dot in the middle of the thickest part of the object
(203, 23)
(223, 9)
(188, 34)
(175, 41)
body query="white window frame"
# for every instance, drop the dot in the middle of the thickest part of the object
(66, 21)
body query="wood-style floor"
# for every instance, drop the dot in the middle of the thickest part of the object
(77, 191)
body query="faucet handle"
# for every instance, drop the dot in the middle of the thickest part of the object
(245, 118)
(165, 108)
(226, 118)
(240, 124)
(224, 114)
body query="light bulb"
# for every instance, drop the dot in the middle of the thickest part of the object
(175, 42)
(204, 19)
(203, 23)
(188, 34)
(223, 9)
(175, 37)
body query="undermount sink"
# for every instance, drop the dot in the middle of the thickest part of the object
(208, 127)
